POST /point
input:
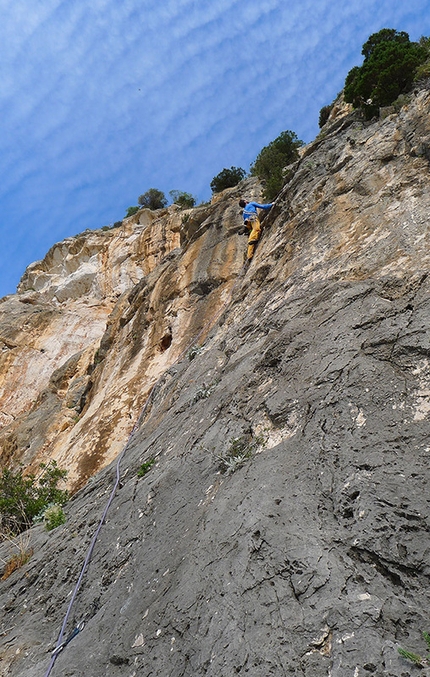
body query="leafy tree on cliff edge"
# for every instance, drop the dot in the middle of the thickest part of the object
(184, 200)
(153, 199)
(227, 178)
(388, 70)
(131, 211)
(273, 158)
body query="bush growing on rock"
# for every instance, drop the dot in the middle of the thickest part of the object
(53, 517)
(22, 498)
(423, 70)
(240, 450)
(131, 211)
(145, 467)
(324, 115)
(153, 199)
(184, 200)
(273, 158)
(193, 351)
(227, 178)
(389, 67)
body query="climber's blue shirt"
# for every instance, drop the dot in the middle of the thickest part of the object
(251, 209)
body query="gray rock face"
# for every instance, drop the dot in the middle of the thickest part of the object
(283, 528)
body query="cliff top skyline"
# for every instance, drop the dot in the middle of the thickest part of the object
(100, 104)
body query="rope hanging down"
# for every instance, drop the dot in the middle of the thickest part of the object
(61, 641)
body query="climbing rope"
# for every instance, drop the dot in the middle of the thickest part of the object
(62, 642)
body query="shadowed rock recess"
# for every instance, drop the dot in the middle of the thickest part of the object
(283, 528)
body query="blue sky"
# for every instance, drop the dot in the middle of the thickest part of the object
(101, 101)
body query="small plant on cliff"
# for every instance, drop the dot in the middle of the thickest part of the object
(272, 160)
(228, 178)
(145, 467)
(324, 115)
(184, 200)
(53, 517)
(23, 497)
(415, 658)
(131, 211)
(240, 450)
(205, 391)
(98, 357)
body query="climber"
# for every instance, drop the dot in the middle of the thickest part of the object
(252, 222)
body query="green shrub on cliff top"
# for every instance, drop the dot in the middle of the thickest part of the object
(227, 178)
(389, 67)
(184, 200)
(153, 199)
(131, 211)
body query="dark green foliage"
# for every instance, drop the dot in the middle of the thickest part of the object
(227, 179)
(272, 160)
(153, 199)
(145, 467)
(117, 224)
(184, 200)
(423, 71)
(24, 497)
(324, 115)
(390, 64)
(131, 211)
(384, 35)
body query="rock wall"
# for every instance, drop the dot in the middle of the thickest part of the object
(87, 335)
(283, 526)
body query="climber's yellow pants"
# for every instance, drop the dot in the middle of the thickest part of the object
(255, 231)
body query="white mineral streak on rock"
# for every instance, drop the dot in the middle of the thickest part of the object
(139, 641)
(422, 394)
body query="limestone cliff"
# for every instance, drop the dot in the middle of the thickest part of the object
(283, 529)
(88, 333)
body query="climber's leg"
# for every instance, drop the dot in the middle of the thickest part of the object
(254, 236)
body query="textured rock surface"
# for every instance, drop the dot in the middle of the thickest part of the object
(81, 350)
(312, 558)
